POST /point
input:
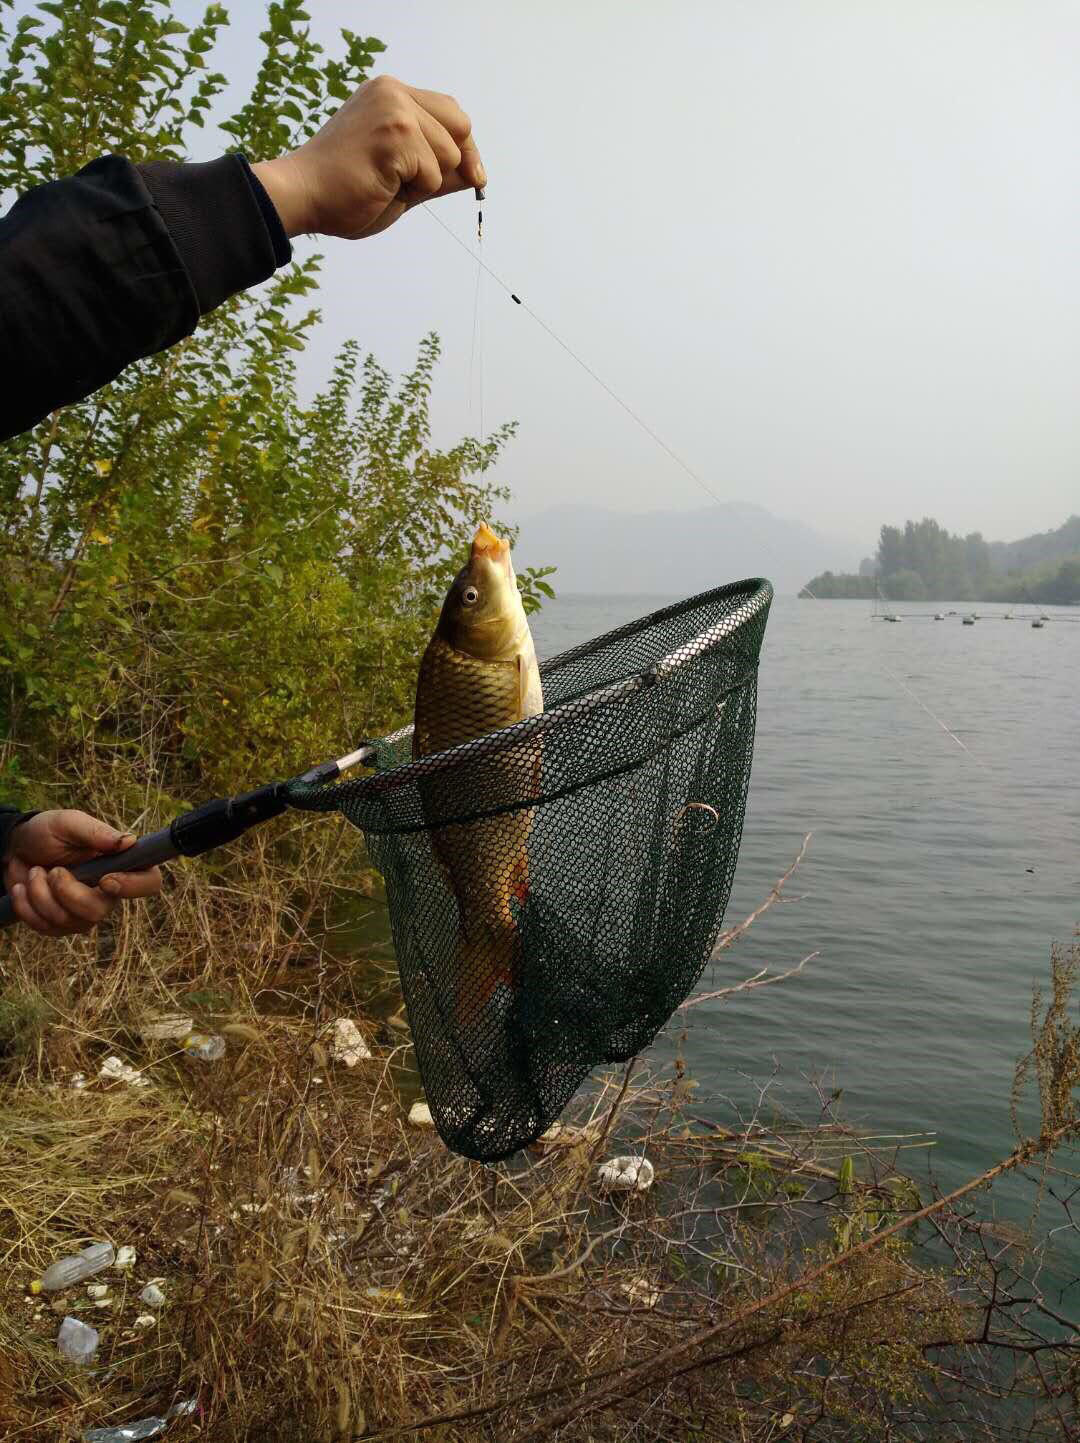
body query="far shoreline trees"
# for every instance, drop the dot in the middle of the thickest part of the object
(924, 562)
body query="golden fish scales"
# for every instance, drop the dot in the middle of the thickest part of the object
(461, 696)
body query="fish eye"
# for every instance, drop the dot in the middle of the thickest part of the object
(470, 596)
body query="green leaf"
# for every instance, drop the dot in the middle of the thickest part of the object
(847, 1175)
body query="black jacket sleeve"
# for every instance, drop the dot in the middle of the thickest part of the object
(117, 262)
(113, 264)
(9, 820)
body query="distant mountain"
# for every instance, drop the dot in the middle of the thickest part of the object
(1031, 551)
(673, 552)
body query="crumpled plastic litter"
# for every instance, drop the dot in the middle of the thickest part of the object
(77, 1341)
(641, 1291)
(143, 1428)
(115, 1069)
(347, 1043)
(167, 1026)
(206, 1046)
(627, 1174)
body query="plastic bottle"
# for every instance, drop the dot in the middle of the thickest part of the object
(77, 1341)
(206, 1046)
(69, 1271)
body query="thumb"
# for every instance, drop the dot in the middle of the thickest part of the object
(77, 829)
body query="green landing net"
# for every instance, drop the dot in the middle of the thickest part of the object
(611, 822)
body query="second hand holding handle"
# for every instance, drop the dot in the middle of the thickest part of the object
(214, 824)
(211, 825)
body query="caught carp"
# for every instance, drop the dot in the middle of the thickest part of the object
(478, 674)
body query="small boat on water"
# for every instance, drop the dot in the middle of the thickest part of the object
(891, 617)
(1037, 623)
(1007, 616)
(939, 616)
(1045, 616)
(969, 620)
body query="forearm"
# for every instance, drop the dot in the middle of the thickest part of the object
(117, 262)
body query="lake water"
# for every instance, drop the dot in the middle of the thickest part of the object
(936, 878)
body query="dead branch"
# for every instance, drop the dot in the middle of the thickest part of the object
(617, 1381)
(759, 979)
(734, 933)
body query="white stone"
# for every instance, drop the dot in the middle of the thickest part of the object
(145, 1320)
(420, 1115)
(626, 1174)
(347, 1044)
(97, 1290)
(125, 1256)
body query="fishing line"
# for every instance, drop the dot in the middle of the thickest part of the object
(482, 266)
(943, 725)
(476, 358)
(470, 399)
(578, 359)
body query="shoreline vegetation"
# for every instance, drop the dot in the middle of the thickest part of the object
(207, 581)
(924, 562)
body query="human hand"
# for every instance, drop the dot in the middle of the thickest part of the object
(44, 894)
(388, 148)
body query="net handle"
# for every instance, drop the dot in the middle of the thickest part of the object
(211, 825)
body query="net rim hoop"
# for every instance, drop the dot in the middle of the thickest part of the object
(759, 594)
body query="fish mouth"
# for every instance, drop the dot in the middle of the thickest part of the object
(492, 547)
(487, 543)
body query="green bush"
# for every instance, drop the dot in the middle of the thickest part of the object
(205, 582)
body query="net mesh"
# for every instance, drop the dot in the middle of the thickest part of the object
(556, 888)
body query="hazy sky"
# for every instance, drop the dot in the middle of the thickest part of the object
(830, 251)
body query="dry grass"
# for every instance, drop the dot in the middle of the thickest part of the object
(328, 1266)
(332, 1272)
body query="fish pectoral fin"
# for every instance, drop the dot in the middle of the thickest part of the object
(519, 880)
